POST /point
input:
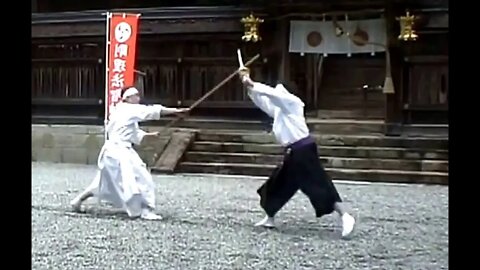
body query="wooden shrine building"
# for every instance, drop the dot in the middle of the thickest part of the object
(185, 50)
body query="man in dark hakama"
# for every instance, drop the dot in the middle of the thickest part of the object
(301, 168)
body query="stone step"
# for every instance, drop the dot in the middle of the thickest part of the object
(337, 126)
(328, 161)
(373, 175)
(343, 114)
(333, 140)
(212, 123)
(316, 125)
(337, 151)
(434, 130)
(345, 126)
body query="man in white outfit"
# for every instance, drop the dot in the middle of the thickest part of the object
(123, 178)
(301, 168)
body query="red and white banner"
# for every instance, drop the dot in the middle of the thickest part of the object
(122, 30)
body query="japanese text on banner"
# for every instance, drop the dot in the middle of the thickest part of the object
(122, 49)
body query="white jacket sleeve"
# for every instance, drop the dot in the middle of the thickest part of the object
(278, 97)
(141, 113)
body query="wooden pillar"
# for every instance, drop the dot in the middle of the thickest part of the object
(34, 6)
(282, 43)
(267, 49)
(40, 5)
(393, 102)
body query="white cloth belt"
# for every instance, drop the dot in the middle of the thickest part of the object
(111, 143)
(118, 143)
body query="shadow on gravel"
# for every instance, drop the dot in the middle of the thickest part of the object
(302, 232)
(97, 213)
(298, 230)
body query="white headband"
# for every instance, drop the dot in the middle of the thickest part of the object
(130, 92)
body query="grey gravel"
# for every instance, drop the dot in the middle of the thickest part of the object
(208, 225)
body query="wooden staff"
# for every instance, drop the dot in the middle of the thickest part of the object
(209, 93)
(140, 72)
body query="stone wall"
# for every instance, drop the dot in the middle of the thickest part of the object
(82, 143)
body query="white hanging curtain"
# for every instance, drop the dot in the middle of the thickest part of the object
(304, 36)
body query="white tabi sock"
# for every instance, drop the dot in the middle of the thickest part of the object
(76, 203)
(147, 214)
(267, 222)
(348, 224)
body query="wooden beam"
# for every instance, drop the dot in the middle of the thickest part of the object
(68, 30)
(234, 36)
(146, 28)
(437, 21)
(97, 40)
(151, 14)
(66, 101)
(173, 152)
(427, 59)
(209, 26)
(316, 4)
(76, 61)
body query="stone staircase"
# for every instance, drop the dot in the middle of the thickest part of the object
(352, 150)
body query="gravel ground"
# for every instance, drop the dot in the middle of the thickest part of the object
(208, 225)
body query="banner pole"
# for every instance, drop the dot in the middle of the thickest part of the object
(107, 62)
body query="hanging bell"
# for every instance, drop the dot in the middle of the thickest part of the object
(407, 31)
(251, 24)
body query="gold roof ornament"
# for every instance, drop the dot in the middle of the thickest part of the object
(407, 31)
(251, 24)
